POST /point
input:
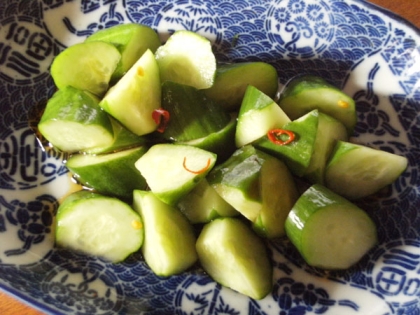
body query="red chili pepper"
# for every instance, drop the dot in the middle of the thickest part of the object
(274, 136)
(205, 168)
(161, 118)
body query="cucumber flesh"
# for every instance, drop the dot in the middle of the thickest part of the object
(173, 170)
(234, 256)
(135, 96)
(86, 66)
(356, 171)
(187, 58)
(328, 230)
(257, 115)
(98, 225)
(73, 121)
(169, 243)
(232, 80)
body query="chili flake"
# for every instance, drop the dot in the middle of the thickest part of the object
(205, 168)
(275, 136)
(161, 118)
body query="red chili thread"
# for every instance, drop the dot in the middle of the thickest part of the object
(205, 168)
(274, 136)
(161, 118)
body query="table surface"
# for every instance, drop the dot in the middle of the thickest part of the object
(409, 9)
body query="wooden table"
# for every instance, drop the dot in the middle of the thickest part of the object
(409, 9)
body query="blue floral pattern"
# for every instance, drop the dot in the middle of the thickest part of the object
(348, 42)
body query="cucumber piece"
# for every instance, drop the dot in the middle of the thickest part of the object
(135, 96)
(192, 114)
(232, 80)
(235, 257)
(251, 181)
(187, 58)
(173, 170)
(329, 131)
(73, 121)
(203, 204)
(132, 40)
(112, 174)
(222, 142)
(298, 153)
(169, 240)
(257, 115)
(306, 93)
(356, 171)
(98, 225)
(123, 139)
(86, 66)
(329, 231)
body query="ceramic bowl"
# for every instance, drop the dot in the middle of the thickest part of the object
(371, 54)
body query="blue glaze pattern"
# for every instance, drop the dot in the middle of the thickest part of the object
(370, 54)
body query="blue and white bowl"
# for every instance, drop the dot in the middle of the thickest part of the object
(370, 53)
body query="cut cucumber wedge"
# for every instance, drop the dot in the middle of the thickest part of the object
(112, 174)
(257, 115)
(134, 98)
(232, 80)
(169, 240)
(132, 40)
(306, 93)
(187, 58)
(73, 121)
(98, 225)
(356, 171)
(203, 204)
(329, 231)
(257, 185)
(172, 170)
(86, 66)
(234, 256)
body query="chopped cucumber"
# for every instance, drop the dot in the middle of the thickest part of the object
(328, 230)
(134, 98)
(73, 121)
(194, 116)
(257, 115)
(306, 93)
(203, 204)
(232, 80)
(329, 131)
(355, 171)
(132, 40)
(169, 240)
(187, 58)
(297, 142)
(112, 174)
(234, 256)
(257, 185)
(86, 66)
(99, 225)
(173, 170)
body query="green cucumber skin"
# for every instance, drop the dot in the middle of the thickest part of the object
(232, 80)
(360, 172)
(315, 199)
(297, 154)
(169, 243)
(118, 178)
(131, 40)
(240, 171)
(196, 115)
(233, 255)
(296, 104)
(79, 107)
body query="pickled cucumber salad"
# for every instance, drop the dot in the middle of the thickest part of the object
(192, 161)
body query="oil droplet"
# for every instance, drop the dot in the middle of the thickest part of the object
(137, 225)
(140, 71)
(342, 104)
